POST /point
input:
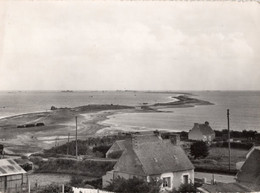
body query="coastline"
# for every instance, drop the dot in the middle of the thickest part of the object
(61, 121)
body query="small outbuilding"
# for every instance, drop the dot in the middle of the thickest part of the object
(13, 178)
(201, 132)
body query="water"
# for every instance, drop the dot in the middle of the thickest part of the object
(244, 113)
(244, 107)
(12, 103)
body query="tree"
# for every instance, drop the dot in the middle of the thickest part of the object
(133, 185)
(199, 149)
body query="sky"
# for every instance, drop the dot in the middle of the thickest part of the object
(133, 45)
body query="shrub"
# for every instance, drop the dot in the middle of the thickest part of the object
(102, 149)
(187, 188)
(133, 185)
(69, 166)
(77, 180)
(199, 149)
(95, 183)
(54, 188)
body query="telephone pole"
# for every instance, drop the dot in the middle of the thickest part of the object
(68, 144)
(229, 153)
(76, 138)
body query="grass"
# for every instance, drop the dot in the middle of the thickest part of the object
(218, 159)
(68, 166)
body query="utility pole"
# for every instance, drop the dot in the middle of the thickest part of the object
(76, 138)
(68, 144)
(229, 153)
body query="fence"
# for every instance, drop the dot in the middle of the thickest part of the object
(87, 190)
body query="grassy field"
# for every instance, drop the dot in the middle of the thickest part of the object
(218, 159)
(91, 168)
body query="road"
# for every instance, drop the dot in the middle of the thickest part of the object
(217, 177)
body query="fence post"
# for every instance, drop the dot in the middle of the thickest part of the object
(29, 187)
(62, 188)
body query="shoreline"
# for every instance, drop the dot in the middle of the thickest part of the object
(59, 122)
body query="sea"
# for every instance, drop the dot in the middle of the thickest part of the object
(244, 107)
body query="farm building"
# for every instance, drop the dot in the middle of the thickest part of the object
(13, 179)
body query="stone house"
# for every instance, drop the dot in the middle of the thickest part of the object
(150, 157)
(201, 132)
(249, 173)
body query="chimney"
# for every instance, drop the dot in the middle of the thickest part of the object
(1, 151)
(196, 124)
(175, 139)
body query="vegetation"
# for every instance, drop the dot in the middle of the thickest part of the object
(237, 134)
(70, 148)
(218, 160)
(80, 181)
(91, 146)
(234, 145)
(102, 149)
(54, 188)
(184, 188)
(133, 185)
(71, 166)
(199, 149)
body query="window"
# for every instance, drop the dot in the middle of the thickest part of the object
(167, 182)
(185, 179)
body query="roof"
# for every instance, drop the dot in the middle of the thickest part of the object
(150, 155)
(121, 144)
(10, 167)
(224, 187)
(204, 128)
(249, 173)
(21, 161)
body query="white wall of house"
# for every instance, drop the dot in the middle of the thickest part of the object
(177, 178)
(196, 134)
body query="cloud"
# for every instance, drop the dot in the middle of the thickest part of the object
(91, 45)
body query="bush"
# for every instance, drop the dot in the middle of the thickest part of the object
(199, 149)
(190, 188)
(70, 148)
(69, 166)
(95, 183)
(102, 149)
(234, 145)
(77, 181)
(133, 185)
(54, 188)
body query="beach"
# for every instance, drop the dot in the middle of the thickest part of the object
(60, 126)
(20, 135)
(178, 112)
